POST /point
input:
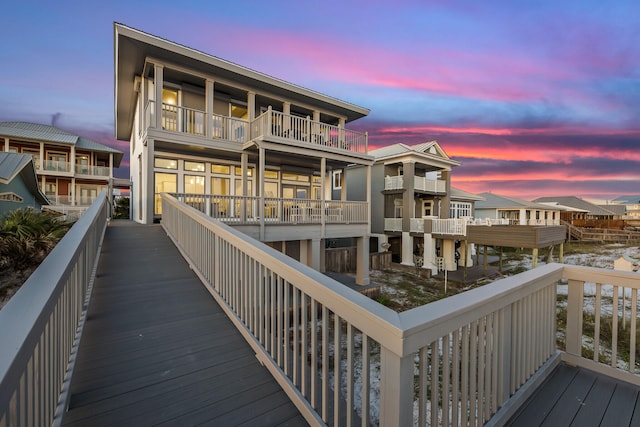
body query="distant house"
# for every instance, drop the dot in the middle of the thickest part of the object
(631, 205)
(517, 211)
(18, 183)
(580, 208)
(71, 170)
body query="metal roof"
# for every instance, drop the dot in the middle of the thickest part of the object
(37, 132)
(46, 133)
(578, 203)
(458, 194)
(14, 164)
(495, 201)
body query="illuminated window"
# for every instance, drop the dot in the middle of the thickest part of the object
(165, 183)
(221, 169)
(166, 163)
(194, 166)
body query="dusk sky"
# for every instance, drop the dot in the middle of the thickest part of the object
(534, 98)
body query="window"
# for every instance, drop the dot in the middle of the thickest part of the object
(82, 164)
(337, 180)
(165, 183)
(194, 166)
(427, 207)
(221, 169)
(239, 171)
(10, 197)
(35, 154)
(460, 210)
(295, 177)
(269, 174)
(220, 186)
(194, 184)
(57, 162)
(165, 163)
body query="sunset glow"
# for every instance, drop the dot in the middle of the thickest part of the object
(534, 99)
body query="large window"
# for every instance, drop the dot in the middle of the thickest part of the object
(165, 183)
(194, 184)
(460, 210)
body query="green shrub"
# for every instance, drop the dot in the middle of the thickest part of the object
(27, 236)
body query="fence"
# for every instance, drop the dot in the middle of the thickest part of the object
(41, 325)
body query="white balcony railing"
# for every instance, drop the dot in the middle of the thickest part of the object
(454, 227)
(420, 183)
(102, 171)
(271, 124)
(70, 201)
(416, 225)
(56, 166)
(46, 317)
(246, 210)
(393, 224)
(429, 185)
(288, 127)
(457, 361)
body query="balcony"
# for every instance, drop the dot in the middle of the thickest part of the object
(273, 125)
(56, 166)
(93, 171)
(422, 184)
(239, 210)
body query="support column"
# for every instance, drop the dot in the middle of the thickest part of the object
(209, 96)
(523, 217)
(251, 106)
(260, 178)
(244, 168)
(407, 248)
(304, 252)
(323, 203)
(449, 254)
(73, 192)
(535, 257)
(343, 185)
(148, 187)
(158, 84)
(408, 208)
(362, 267)
(42, 159)
(314, 256)
(396, 389)
(323, 263)
(110, 165)
(466, 252)
(429, 254)
(6, 145)
(561, 253)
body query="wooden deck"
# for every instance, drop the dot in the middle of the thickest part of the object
(578, 397)
(157, 348)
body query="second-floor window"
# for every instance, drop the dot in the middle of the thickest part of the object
(460, 210)
(337, 180)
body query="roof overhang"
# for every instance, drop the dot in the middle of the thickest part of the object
(132, 48)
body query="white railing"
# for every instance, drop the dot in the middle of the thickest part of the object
(69, 201)
(55, 166)
(246, 210)
(93, 170)
(42, 323)
(229, 128)
(416, 225)
(294, 128)
(429, 185)
(188, 120)
(420, 183)
(456, 227)
(471, 352)
(393, 224)
(393, 182)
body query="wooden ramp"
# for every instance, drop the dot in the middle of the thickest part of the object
(578, 397)
(157, 348)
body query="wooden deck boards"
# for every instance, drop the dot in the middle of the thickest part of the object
(578, 397)
(157, 348)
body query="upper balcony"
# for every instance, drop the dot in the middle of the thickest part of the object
(420, 183)
(272, 125)
(54, 167)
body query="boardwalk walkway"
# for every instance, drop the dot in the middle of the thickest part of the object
(157, 348)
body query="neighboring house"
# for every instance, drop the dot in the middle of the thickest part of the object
(71, 170)
(248, 149)
(580, 209)
(18, 183)
(631, 204)
(410, 184)
(517, 211)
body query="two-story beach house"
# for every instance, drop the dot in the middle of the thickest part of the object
(411, 184)
(243, 147)
(71, 170)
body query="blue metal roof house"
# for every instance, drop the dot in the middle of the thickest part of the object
(18, 183)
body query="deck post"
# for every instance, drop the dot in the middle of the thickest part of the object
(574, 317)
(396, 389)
(534, 255)
(561, 253)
